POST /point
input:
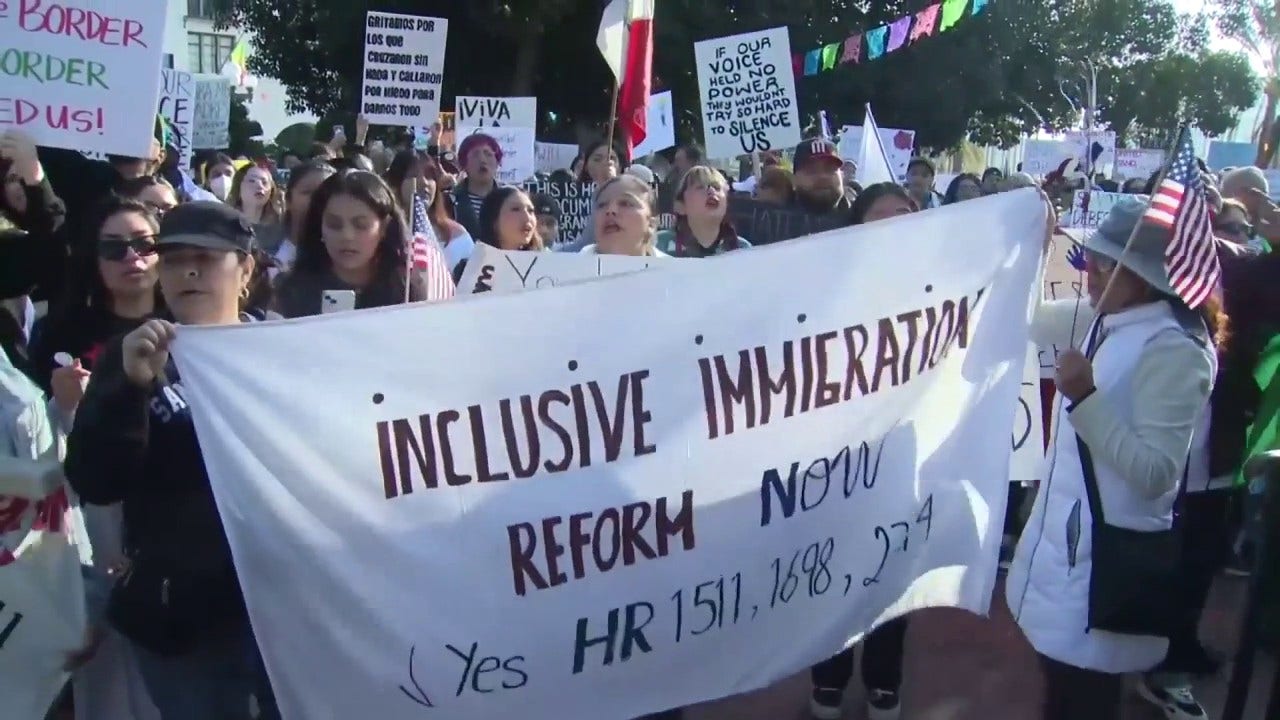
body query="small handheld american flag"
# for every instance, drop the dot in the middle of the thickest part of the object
(427, 256)
(1180, 205)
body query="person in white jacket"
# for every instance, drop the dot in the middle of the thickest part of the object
(1135, 403)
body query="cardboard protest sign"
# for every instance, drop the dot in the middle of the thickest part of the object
(660, 128)
(403, 68)
(1138, 163)
(212, 122)
(489, 112)
(574, 200)
(1088, 209)
(748, 93)
(897, 146)
(550, 157)
(76, 73)
(504, 271)
(1092, 149)
(178, 105)
(647, 513)
(1041, 157)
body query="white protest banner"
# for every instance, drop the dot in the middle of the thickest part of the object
(897, 147)
(748, 93)
(403, 68)
(42, 545)
(1094, 149)
(177, 107)
(496, 111)
(653, 510)
(212, 123)
(518, 160)
(76, 73)
(550, 157)
(1140, 164)
(1041, 157)
(1026, 464)
(505, 271)
(660, 126)
(1088, 209)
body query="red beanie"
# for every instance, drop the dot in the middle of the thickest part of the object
(471, 142)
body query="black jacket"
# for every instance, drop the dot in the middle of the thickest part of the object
(138, 446)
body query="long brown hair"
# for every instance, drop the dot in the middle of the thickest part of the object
(274, 210)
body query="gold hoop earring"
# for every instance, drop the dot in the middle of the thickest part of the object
(244, 293)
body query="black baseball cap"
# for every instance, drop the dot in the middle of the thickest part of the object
(206, 224)
(544, 204)
(817, 149)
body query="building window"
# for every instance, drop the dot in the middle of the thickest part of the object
(200, 9)
(208, 52)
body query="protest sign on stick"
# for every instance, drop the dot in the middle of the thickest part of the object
(661, 126)
(210, 129)
(76, 73)
(403, 68)
(1089, 209)
(748, 93)
(656, 505)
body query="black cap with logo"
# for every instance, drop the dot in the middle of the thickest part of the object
(817, 149)
(206, 224)
(544, 204)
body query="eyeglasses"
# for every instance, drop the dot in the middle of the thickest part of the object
(1235, 228)
(117, 249)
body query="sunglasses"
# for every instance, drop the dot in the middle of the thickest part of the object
(1236, 228)
(118, 248)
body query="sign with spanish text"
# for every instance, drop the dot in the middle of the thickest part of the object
(748, 93)
(403, 68)
(75, 73)
(210, 127)
(487, 112)
(505, 271)
(177, 106)
(650, 511)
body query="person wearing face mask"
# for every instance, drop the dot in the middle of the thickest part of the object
(177, 599)
(702, 228)
(480, 156)
(819, 180)
(218, 176)
(355, 238)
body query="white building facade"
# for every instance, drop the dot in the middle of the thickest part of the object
(194, 44)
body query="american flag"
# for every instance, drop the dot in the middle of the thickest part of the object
(428, 258)
(1191, 257)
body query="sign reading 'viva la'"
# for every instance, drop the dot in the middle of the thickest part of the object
(655, 509)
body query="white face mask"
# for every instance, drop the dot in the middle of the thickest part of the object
(220, 186)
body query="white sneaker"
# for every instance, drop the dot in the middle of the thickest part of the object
(882, 705)
(1177, 702)
(824, 703)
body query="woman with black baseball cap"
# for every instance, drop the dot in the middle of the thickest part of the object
(177, 599)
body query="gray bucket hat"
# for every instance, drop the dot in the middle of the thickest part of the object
(1145, 257)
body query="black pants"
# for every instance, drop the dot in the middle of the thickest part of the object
(881, 661)
(1206, 546)
(1072, 693)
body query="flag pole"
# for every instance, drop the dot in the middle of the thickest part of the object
(613, 121)
(1106, 290)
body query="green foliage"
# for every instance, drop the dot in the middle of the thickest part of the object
(1013, 69)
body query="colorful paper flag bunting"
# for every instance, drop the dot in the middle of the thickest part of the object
(813, 62)
(926, 22)
(898, 31)
(852, 49)
(887, 38)
(978, 5)
(830, 54)
(876, 40)
(952, 11)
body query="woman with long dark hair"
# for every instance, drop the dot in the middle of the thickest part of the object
(507, 220)
(303, 183)
(418, 179)
(354, 238)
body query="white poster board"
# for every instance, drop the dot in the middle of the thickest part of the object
(1026, 464)
(403, 68)
(778, 526)
(178, 106)
(897, 147)
(1093, 149)
(1041, 157)
(1138, 163)
(505, 271)
(92, 67)
(1089, 209)
(660, 127)
(550, 157)
(518, 159)
(748, 93)
(212, 122)
(486, 112)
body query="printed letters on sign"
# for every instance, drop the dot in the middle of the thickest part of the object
(648, 512)
(403, 68)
